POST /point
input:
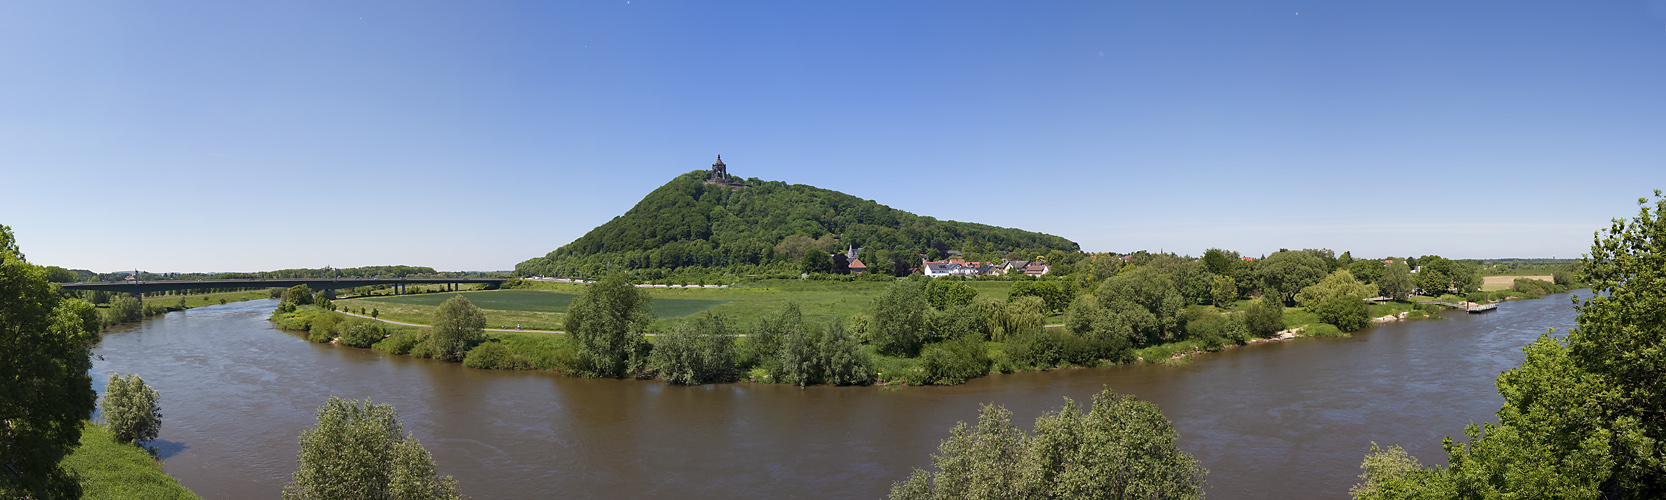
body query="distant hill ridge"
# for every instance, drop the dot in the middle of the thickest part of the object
(700, 220)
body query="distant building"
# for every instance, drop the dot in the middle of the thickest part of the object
(1037, 269)
(946, 268)
(857, 267)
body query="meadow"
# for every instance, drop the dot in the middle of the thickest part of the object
(108, 469)
(542, 305)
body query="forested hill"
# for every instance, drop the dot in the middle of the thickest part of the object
(767, 225)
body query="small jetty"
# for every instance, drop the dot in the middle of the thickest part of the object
(1468, 306)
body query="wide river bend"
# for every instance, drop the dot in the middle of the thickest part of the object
(1280, 420)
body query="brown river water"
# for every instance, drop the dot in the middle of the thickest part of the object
(1280, 420)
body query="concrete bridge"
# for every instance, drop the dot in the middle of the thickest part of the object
(398, 284)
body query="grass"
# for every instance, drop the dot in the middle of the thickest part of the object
(1495, 283)
(541, 305)
(108, 469)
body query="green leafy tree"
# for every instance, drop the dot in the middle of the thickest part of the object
(1367, 270)
(1432, 281)
(1347, 312)
(608, 320)
(298, 295)
(359, 450)
(816, 261)
(131, 409)
(1335, 285)
(1285, 273)
(763, 346)
(842, 358)
(1223, 290)
(1055, 296)
(697, 351)
(1220, 262)
(947, 293)
(46, 340)
(458, 326)
(1147, 300)
(1581, 415)
(1396, 282)
(1121, 447)
(1264, 317)
(900, 322)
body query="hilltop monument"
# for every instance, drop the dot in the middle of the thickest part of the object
(720, 172)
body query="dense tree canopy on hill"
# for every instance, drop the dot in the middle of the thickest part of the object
(688, 223)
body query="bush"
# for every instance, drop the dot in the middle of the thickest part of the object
(697, 351)
(495, 356)
(900, 322)
(842, 359)
(1033, 349)
(130, 409)
(1263, 318)
(126, 309)
(362, 333)
(401, 341)
(1347, 312)
(955, 361)
(323, 327)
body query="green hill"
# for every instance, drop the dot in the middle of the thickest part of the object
(768, 226)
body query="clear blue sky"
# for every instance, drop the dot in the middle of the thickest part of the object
(221, 136)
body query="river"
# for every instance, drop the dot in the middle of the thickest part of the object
(1279, 420)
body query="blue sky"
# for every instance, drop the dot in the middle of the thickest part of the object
(218, 136)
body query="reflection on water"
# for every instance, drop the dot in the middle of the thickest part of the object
(1280, 420)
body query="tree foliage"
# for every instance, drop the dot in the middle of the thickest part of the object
(359, 450)
(696, 351)
(687, 223)
(899, 319)
(1335, 285)
(1147, 300)
(607, 321)
(131, 409)
(459, 325)
(1582, 414)
(1396, 281)
(1121, 447)
(1285, 273)
(45, 391)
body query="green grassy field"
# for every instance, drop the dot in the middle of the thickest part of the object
(119, 471)
(542, 306)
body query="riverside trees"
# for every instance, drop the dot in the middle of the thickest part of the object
(1581, 415)
(1120, 447)
(45, 391)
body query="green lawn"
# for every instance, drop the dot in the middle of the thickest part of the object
(119, 471)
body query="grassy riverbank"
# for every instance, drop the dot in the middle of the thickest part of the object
(110, 470)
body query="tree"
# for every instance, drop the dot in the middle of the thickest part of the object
(1396, 281)
(697, 351)
(607, 320)
(130, 409)
(359, 450)
(1367, 270)
(1432, 281)
(298, 295)
(946, 293)
(1335, 285)
(899, 319)
(1146, 299)
(1264, 317)
(45, 391)
(841, 357)
(1055, 297)
(458, 327)
(816, 261)
(1220, 262)
(1285, 273)
(1120, 448)
(1223, 290)
(1581, 414)
(1347, 312)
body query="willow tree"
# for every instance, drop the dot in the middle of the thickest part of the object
(45, 391)
(360, 450)
(607, 322)
(458, 326)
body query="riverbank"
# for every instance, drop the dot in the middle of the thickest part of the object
(128, 309)
(110, 470)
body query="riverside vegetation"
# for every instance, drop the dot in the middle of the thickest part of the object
(1150, 308)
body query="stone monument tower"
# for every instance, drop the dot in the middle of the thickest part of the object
(720, 172)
